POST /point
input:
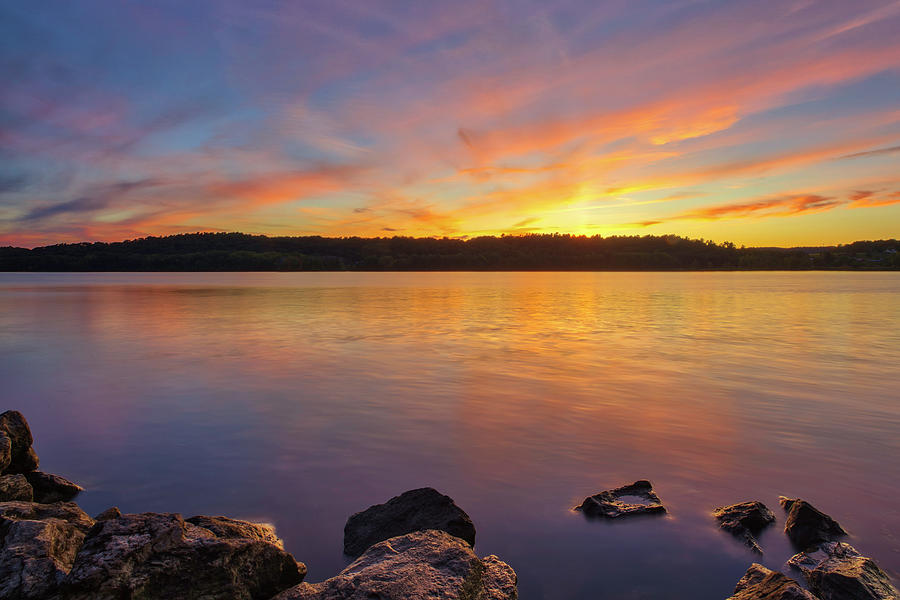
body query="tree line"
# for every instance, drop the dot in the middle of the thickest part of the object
(243, 252)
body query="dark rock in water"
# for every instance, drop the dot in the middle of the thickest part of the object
(745, 520)
(807, 526)
(22, 457)
(38, 546)
(635, 499)
(52, 488)
(112, 512)
(836, 571)
(154, 555)
(415, 510)
(424, 565)
(760, 583)
(15, 487)
(224, 527)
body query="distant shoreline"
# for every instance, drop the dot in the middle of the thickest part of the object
(237, 252)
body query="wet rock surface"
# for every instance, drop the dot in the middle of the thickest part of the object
(52, 488)
(745, 520)
(153, 555)
(415, 510)
(628, 500)
(424, 565)
(806, 526)
(837, 571)
(760, 583)
(15, 487)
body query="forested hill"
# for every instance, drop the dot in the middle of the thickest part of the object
(242, 252)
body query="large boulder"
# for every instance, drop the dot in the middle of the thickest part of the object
(425, 565)
(22, 457)
(760, 583)
(415, 510)
(154, 555)
(52, 488)
(5, 451)
(15, 487)
(38, 547)
(836, 571)
(745, 520)
(637, 498)
(807, 526)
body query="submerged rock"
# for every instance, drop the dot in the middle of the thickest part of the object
(20, 457)
(760, 583)
(745, 520)
(52, 488)
(15, 487)
(635, 499)
(38, 546)
(807, 526)
(424, 565)
(153, 555)
(836, 571)
(415, 510)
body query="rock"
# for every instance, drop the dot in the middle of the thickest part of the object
(153, 555)
(22, 457)
(5, 451)
(224, 527)
(32, 511)
(110, 513)
(415, 510)
(836, 571)
(745, 520)
(807, 526)
(760, 583)
(628, 500)
(424, 565)
(15, 487)
(52, 488)
(38, 546)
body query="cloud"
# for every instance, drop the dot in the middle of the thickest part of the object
(878, 152)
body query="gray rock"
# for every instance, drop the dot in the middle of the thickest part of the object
(745, 520)
(628, 500)
(760, 583)
(836, 571)
(52, 488)
(153, 555)
(807, 526)
(22, 457)
(224, 527)
(415, 510)
(15, 487)
(38, 546)
(424, 565)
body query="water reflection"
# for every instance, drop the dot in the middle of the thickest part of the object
(301, 398)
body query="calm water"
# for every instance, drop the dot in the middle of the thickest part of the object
(301, 398)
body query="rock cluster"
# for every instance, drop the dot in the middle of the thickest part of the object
(745, 520)
(19, 478)
(628, 500)
(415, 510)
(760, 583)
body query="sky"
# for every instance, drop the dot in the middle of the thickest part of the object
(764, 123)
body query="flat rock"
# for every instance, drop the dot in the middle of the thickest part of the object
(52, 488)
(38, 547)
(15, 487)
(424, 565)
(225, 527)
(745, 520)
(836, 571)
(807, 526)
(760, 583)
(415, 510)
(22, 457)
(628, 500)
(154, 555)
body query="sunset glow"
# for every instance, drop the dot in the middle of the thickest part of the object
(765, 124)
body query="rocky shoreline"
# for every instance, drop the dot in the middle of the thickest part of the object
(416, 546)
